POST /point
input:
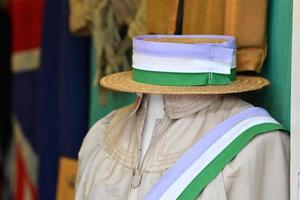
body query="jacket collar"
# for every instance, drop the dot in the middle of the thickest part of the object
(178, 106)
(125, 129)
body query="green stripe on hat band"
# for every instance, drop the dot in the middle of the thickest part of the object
(183, 79)
(193, 190)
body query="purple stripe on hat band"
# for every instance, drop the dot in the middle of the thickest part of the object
(198, 149)
(209, 51)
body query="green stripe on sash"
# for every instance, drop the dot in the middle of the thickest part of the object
(211, 171)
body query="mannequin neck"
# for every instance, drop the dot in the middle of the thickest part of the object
(155, 106)
(155, 111)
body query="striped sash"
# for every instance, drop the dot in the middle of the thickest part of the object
(197, 167)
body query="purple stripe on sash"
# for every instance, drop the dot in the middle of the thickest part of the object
(222, 52)
(190, 156)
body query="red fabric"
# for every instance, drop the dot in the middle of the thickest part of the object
(23, 179)
(27, 17)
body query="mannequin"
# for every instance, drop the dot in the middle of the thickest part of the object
(186, 145)
(155, 111)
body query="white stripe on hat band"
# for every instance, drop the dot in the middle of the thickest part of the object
(182, 182)
(180, 65)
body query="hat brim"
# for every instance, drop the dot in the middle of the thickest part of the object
(123, 82)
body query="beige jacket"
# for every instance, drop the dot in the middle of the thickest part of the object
(109, 155)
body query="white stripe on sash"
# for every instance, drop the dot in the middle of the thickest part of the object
(180, 65)
(212, 152)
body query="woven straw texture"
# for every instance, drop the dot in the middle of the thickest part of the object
(123, 82)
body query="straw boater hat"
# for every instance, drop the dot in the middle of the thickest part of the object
(183, 64)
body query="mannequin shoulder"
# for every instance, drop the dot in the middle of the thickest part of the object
(95, 136)
(275, 142)
(261, 169)
(268, 148)
(233, 104)
(101, 123)
(99, 127)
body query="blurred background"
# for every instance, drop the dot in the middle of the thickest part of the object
(53, 54)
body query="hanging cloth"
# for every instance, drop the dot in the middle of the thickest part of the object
(231, 17)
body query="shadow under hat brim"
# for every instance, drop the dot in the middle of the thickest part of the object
(123, 82)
